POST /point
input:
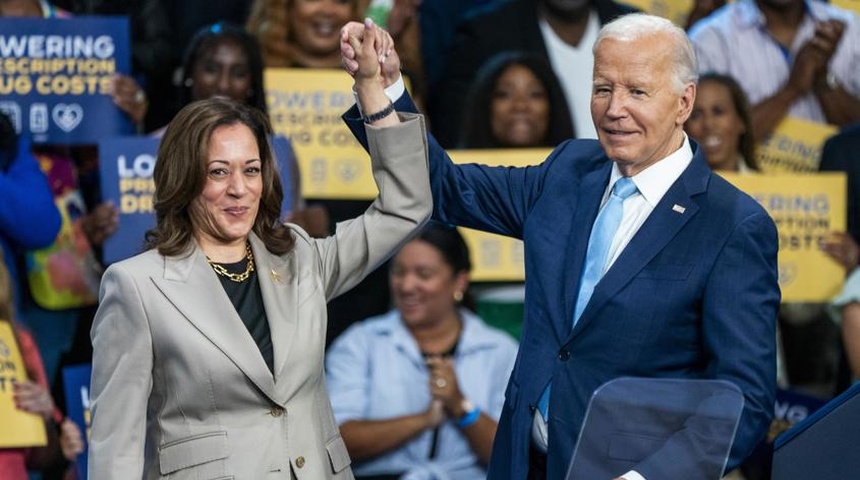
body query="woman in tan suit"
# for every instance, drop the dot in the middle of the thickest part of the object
(208, 348)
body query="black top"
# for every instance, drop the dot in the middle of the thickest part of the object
(247, 298)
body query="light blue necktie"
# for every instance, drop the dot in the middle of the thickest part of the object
(602, 233)
(605, 226)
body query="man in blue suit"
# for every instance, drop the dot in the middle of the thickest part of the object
(688, 284)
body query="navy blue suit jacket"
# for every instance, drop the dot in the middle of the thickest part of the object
(693, 295)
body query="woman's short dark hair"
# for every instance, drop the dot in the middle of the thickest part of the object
(451, 245)
(746, 144)
(207, 38)
(180, 175)
(449, 242)
(477, 132)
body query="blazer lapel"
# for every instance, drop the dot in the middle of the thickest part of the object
(657, 231)
(193, 288)
(278, 282)
(591, 189)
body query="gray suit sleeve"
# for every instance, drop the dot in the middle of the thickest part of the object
(403, 204)
(121, 379)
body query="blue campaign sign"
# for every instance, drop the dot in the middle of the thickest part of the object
(76, 383)
(126, 166)
(55, 77)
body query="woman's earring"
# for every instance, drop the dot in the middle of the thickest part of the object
(458, 296)
(188, 82)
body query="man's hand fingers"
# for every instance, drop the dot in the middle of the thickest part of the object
(355, 43)
(351, 66)
(351, 29)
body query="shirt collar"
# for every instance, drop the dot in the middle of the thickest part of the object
(749, 15)
(472, 338)
(654, 181)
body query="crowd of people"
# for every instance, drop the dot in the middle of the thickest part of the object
(386, 361)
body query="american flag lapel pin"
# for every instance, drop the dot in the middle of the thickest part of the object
(678, 208)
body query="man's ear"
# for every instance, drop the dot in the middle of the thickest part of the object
(685, 103)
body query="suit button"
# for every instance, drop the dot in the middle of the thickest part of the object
(300, 462)
(276, 411)
(564, 355)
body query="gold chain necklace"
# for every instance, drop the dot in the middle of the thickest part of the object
(236, 277)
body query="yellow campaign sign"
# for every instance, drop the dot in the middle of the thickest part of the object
(794, 146)
(496, 258)
(675, 10)
(305, 105)
(805, 208)
(19, 429)
(853, 5)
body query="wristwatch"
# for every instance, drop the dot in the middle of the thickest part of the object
(467, 406)
(471, 414)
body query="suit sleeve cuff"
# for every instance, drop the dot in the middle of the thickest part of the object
(393, 92)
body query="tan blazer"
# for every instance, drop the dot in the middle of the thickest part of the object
(180, 389)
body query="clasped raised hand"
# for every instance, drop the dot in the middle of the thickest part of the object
(386, 54)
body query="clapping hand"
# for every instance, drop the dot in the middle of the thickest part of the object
(444, 386)
(811, 60)
(435, 414)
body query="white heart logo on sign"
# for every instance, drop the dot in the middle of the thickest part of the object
(67, 117)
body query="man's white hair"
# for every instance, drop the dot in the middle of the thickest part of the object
(634, 26)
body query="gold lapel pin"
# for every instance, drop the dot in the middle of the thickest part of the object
(277, 278)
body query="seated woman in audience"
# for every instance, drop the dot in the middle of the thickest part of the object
(419, 390)
(515, 101)
(722, 124)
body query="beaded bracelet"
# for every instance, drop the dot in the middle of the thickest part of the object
(380, 114)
